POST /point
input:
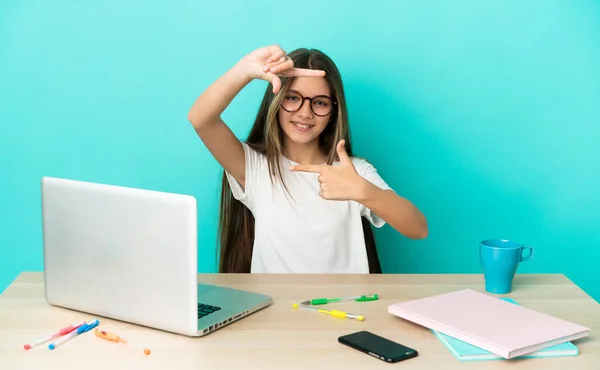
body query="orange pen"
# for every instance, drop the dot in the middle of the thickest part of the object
(114, 338)
(108, 336)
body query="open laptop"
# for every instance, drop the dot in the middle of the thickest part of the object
(131, 255)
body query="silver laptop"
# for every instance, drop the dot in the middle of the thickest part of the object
(132, 255)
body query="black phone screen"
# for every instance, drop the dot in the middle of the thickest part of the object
(377, 346)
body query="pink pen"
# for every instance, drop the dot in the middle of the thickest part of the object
(60, 333)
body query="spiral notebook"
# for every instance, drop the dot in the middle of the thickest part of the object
(489, 323)
(467, 352)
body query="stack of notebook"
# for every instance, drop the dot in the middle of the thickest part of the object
(467, 352)
(477, 326)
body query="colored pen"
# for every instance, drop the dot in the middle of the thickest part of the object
(82, 329)
(60, 333)
(114, 338)
(334, 313)
(356, 298)
(108, 336)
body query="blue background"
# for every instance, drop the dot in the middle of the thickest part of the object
(483, 113)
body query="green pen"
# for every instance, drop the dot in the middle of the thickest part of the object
(356, 298)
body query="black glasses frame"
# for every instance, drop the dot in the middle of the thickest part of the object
(333, 103)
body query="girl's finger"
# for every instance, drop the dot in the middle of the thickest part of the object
(302, 72)
(274, 80)
(269, 66)
(281, 60)
(286, 65)
(276, 53)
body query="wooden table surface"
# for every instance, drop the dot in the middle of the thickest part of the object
(280, 337)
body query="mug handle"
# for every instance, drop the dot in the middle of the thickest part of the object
(529, 256)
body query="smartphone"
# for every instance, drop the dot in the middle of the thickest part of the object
(378, 347)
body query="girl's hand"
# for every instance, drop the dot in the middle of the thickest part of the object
(337, 182)
(271, 62)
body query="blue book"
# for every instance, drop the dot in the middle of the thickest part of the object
(467, 352)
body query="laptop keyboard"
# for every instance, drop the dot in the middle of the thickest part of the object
(205, 309)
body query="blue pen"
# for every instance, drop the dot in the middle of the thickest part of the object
(82, 329)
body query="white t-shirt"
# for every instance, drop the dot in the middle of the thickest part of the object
(306, 234)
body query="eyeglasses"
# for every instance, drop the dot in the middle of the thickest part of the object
(321, 105)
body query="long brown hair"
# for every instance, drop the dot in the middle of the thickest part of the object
(236, 222)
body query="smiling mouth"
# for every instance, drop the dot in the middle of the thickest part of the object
(302, 126)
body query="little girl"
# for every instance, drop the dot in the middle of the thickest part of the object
(294, 199)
